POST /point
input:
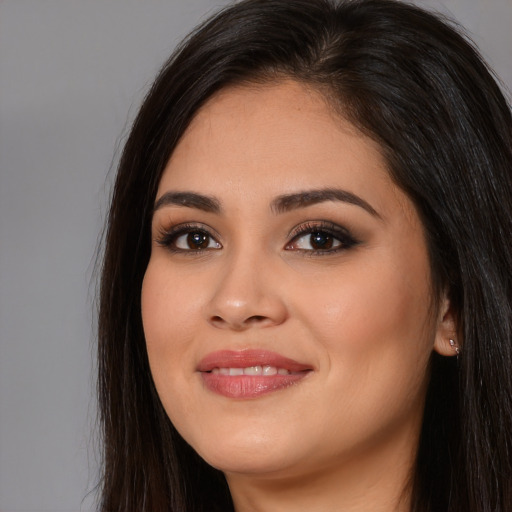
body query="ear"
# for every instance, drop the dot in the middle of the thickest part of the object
(446, 342)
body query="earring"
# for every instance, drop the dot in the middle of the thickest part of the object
(455, 347)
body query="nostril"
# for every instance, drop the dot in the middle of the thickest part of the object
(256, 319)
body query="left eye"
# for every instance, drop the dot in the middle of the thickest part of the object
(316, 241)
(320, 240)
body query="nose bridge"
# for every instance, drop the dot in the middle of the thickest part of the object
(243, 295)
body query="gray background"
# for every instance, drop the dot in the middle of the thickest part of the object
(72, 74)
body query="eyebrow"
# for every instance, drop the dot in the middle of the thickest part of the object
(281, 204)
(190, 200)
(306, 198)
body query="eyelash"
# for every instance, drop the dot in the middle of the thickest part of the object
(168, 238)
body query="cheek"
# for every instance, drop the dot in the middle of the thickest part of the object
(170, 319)
(380, 310)
(374, 323)
(170, 305)
(169, 313)
(374, 329)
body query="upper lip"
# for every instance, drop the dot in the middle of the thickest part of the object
(247, 358)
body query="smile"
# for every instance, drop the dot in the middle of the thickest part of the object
(252, 370)
(249, 374)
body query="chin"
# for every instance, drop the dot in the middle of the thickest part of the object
(266, 463)
(248, 453)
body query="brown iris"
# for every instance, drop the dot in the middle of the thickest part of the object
(321, 240)
(197, 240)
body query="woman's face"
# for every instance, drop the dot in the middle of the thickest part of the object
(287, 300)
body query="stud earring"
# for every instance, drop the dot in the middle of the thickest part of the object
(455, 347)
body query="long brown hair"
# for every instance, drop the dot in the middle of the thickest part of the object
(409, 80)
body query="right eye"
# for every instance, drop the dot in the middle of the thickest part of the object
(188, 239)
(195, 241)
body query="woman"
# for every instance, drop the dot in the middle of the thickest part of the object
(307, 284)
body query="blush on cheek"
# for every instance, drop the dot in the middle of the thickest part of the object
(387, 315)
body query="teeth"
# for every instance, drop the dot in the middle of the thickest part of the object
(269, 370)
(251, 370)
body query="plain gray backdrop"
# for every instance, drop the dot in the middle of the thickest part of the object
(72, 74)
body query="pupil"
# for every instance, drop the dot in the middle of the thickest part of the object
(321, 240)
(197, 240)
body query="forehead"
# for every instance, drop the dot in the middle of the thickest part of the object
(271, 139)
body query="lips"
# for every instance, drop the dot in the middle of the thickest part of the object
(248, 374)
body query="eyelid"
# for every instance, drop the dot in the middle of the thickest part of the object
(319, 225)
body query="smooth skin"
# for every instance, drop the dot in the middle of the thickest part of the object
(342, 284)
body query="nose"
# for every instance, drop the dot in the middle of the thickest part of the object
(244, 296)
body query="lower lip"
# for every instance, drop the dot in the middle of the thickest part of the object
(249, 386)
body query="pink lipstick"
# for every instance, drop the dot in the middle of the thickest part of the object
(248, 374)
